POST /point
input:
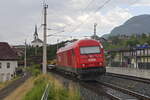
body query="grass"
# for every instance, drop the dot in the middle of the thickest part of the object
(36, 92)
(34, 69)
(56, 91)
(34, 87)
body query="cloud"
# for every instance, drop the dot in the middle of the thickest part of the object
(141, 3)
(105, 22)
(76, 17)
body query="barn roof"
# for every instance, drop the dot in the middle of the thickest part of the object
(6, 52)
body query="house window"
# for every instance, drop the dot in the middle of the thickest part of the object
(8, 65)
(0, 65)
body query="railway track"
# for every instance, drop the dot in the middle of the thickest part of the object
(126, 91)
(134, 78)
(111, 91)
(91, 85)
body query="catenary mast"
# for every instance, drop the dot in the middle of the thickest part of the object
(45, 40)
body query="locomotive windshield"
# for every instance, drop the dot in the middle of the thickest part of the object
(90, 50)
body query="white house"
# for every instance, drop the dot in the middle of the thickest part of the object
(8, 62)
(36, 42)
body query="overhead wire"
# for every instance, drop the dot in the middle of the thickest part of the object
(43, 2)
(88, 5)
(102, 6)
(66, 35)
(77, 27)
(55, 33)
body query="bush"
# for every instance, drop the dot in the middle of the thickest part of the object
(37, 91)
(35, 70)
(56, 91)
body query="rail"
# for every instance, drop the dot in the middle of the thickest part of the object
(135, 94)
(134, 78)
(46, 92)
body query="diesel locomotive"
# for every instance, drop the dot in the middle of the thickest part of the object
(84, 58)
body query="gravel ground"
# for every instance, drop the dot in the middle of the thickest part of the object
(139, 87)
(85, 92)
(12, 86)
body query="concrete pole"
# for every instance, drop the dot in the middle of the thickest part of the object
(57, 43)
(95, 30)
(25, 56)
(45, 40)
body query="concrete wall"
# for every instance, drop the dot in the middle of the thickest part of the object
(7, 73)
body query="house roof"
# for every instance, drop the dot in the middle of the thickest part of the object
(6, 52)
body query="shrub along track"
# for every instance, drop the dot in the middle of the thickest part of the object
(12, 86)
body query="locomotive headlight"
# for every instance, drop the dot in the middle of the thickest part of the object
(100, 63)
(83, 65)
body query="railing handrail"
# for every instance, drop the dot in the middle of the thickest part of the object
(46, 92)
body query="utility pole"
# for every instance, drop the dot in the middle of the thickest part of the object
(25, 56)
(45, 40)
(95, 24)
(57, 43)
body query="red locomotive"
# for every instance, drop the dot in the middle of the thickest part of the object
(83, 58)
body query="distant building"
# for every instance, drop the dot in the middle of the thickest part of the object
(137, 57)
(8, 62)
(36, 42)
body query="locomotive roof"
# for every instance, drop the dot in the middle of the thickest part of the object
(77, 43)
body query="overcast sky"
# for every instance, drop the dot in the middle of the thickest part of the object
(76, 17)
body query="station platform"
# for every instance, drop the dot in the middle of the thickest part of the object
(129, 71)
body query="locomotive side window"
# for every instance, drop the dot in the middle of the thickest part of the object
(90, 50)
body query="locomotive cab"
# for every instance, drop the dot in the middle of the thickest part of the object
(91, 60)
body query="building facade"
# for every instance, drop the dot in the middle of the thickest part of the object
(138, 57)
(8, 62)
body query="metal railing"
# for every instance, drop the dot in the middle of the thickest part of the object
(46, 92)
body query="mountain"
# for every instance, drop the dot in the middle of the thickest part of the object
(135, 25)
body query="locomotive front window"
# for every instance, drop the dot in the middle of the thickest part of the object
(90, 50)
